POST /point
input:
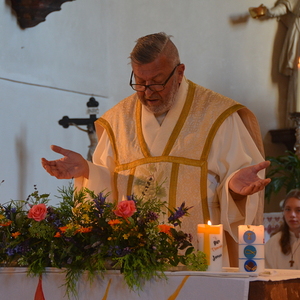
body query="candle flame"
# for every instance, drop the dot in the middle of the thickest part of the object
(209, 223)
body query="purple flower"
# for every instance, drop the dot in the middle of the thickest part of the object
(179, 213)
(99, 202)
(57, 223)
(9, 211)
(10, 251)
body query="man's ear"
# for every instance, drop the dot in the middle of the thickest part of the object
(180, 71)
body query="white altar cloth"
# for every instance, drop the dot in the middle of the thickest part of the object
(180, 285)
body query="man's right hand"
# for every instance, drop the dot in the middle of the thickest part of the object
(72, 165)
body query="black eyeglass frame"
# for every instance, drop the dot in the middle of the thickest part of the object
(163, 85)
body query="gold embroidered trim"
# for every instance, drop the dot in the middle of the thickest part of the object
(142, 142)
(215, 127)
(155, 159)
(203, 191)
(182, 118)
(115, 182)
(102, 122)
(173, 185)
(130, 181)
(205, 153)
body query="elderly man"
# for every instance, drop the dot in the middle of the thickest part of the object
(178, 141)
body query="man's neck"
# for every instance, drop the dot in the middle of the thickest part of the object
(161, 118)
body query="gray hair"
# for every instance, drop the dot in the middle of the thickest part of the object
(149, 47)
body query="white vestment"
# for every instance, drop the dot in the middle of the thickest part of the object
(232, 149)
(275, 259)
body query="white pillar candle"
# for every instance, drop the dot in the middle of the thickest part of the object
(251, 248)
(210, 241)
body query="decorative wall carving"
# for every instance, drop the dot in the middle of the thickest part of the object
(32, 12)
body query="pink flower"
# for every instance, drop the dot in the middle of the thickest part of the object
(38, 212)
(125, 209)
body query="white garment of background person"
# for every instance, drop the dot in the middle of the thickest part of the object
(275, 259)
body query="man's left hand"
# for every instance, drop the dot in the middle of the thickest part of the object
(246, 182)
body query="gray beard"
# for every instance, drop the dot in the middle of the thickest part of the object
(164, 108)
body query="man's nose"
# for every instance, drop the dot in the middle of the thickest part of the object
(148, 92)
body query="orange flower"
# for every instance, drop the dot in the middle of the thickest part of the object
(84, 229)
(114, 222)
(165, 228)
(63, 229)
(6, 224)
(15, 234)
(57, 234)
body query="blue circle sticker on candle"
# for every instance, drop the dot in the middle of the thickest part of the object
(250, 251)
(249, 237)
(250, 266)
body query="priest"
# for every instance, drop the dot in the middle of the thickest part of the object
(178, 141)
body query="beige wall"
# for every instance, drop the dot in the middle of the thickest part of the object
(83, 50)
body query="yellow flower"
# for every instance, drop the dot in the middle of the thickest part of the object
(125, 236)
(85, 218)
(109, 238)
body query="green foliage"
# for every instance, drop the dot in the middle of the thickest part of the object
(284, 172)
(196, 261)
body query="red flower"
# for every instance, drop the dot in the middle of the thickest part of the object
(38, 212)
(125, 209)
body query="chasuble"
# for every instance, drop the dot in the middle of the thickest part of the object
(202, 141)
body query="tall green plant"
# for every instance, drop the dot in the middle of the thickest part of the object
(284, 172)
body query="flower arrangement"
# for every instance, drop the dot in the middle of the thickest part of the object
(85, 232)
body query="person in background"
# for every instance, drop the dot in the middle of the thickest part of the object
(282, 250)
(178, 141)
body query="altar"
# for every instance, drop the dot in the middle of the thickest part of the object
(179, 285)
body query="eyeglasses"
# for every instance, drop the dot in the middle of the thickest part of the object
(152, 87)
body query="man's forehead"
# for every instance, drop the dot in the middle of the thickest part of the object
(148, 74)
(155, 69)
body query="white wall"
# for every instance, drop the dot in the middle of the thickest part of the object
(84, 48)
